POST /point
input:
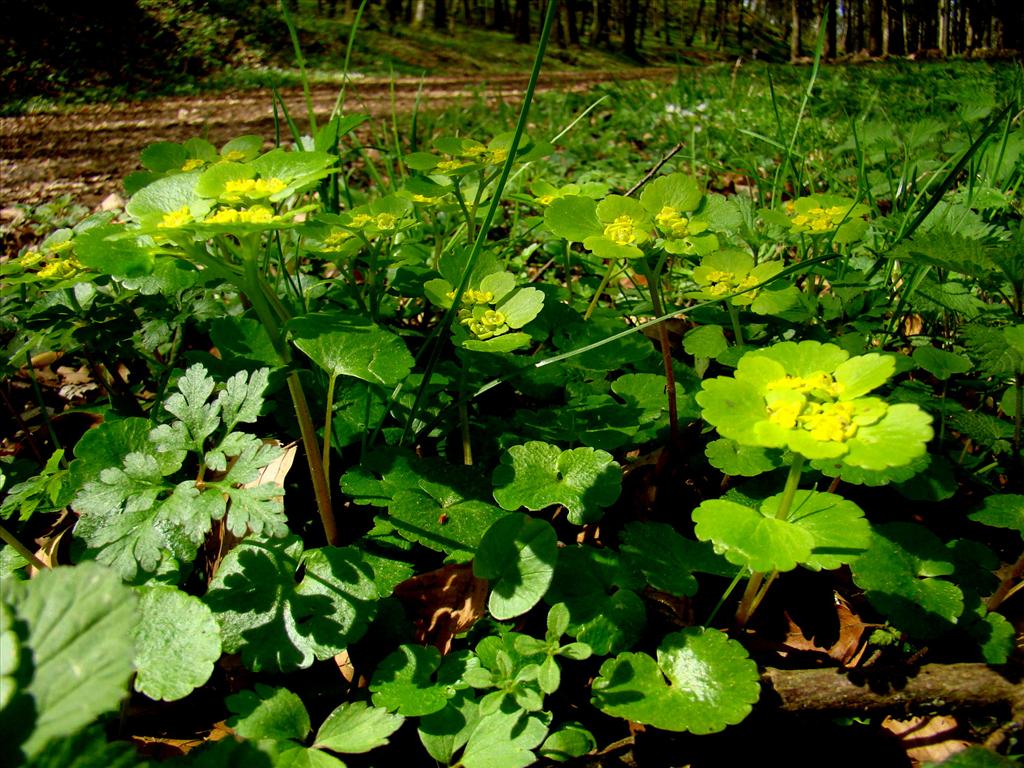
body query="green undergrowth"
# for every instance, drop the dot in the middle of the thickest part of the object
(489, 441)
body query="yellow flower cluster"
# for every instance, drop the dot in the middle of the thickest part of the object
(257, 214)
(192, 164)
(236, 189)
(819, 219)
(175, 219)
(60, 268)
(622, 231)
(490, 323)
(721, 283)
(807, 402)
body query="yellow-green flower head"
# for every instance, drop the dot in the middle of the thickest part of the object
(725, 272)
(257, 214)
(177, 218)
(251, 189)
(192, 164)
(812, 398)
(823, 214)
(58, 269)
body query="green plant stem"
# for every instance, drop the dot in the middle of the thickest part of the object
(12, 541)
(754, 593)
(1018, 413)
(734, 318)
(255, 287)
(653, 286)
(792, 482)
(328, 413)
(600, 290)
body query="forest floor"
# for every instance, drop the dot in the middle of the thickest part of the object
(86, 151)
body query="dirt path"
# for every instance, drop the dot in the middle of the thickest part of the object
(86, 152)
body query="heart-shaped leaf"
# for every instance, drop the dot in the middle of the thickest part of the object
(517, 556)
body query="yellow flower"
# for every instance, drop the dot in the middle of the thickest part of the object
(236, 189)
(175, 219)
(385, 221)
(192, 164)
(60, 268)
(449, 166)
(257, 214)
(234, 156)
(621, 231)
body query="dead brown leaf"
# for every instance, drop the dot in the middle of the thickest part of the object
(927, 739)
(848, 649)
(443, 603)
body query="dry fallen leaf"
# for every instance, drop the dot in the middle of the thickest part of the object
(849, 647)
(927, 739)
(443, 603)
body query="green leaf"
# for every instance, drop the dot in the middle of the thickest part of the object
(991, 351)
(898, 574)
(573, 217)
(292, 755)
(446, 731)
(504, 740)
(356, 727)
(711, 683)
(177, 643)
(454, 527)
(404, 682)
(537, 475)
(350, 347)
(822, 530)
(675, 190)
(940, 363)
(975, 757)
(268, 713)
(517, 556)
(705, 341)
(79, 622)
(1002, 511)
(662, 556)
(741, 460)
(600, 592)
(110, 249)
(88, 749)
(279, 622)
(570, 741)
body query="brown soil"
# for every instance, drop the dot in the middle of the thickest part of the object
(85, 152)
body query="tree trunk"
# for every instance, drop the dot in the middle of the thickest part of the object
(896, 42)
(829, 11)
(696, 23)
(599, 34)
(796, 32)
(629, 28)
(440, 15)
(572, 29)
(522, 21)
(666, 22)
(875, 27)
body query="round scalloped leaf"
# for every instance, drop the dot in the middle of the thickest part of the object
(662, 556)
(573, 217)
(737, 460)
(838, 526)
(455, 528)
(570, 741)
(748, 537)
(707, 341)
(940, 363)
(177, 642)
(268, 713)
(711, 683)
(113, 250)
(279, 622)
(345, 347)
(537, 475)
(356, 727)
(860, 375)
(870, 477)
(517, 556)
(676, 190)
(898, 439)
(1002, 511)
(897, 574)
(413, 681)
(600, 592)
